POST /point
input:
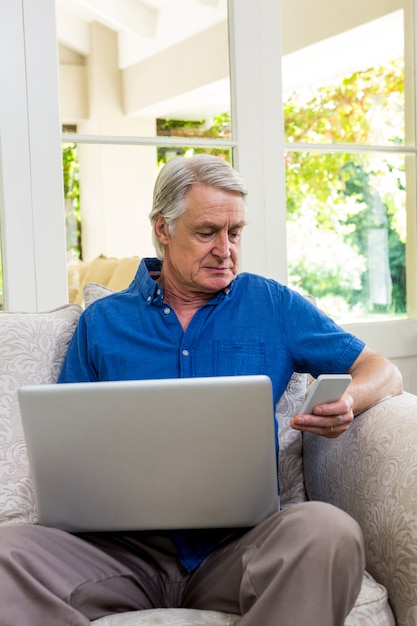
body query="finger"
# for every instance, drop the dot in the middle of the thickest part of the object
(320, 424)
(332, 409)
(335, 430)
(330, 428)
(331, 432)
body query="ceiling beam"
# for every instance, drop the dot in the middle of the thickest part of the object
(203, 60)
(123, 15)
(72, 31)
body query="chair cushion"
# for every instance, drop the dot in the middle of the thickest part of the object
(33, 346)
(95, 291)
(115, 273)
(169, 617)
(371, 609)
(291, 476)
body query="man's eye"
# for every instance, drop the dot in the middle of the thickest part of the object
(205, 235)
(234, 234)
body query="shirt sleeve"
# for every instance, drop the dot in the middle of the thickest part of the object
(77, 365)
(316, 342)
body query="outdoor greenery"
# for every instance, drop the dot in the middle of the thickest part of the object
(217, 128)
(336, 201)
(70, 168)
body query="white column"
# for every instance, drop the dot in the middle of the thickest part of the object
(258, 126)
(32, 213)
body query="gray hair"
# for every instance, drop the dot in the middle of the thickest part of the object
(175, 179)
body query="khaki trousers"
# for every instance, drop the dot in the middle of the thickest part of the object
(300, 567)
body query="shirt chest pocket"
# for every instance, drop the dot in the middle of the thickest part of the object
(237, 358)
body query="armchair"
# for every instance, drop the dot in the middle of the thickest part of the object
(370, 472)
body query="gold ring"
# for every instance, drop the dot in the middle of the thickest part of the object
(331, 429)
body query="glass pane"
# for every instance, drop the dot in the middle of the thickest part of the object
(165, 154)
(347, 84)
(126, 65)
(346, 232)
(343, 76)
(107, 208)
(108, 197)
(150, 69)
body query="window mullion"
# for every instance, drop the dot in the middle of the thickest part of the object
(255, 49)
(410, 82)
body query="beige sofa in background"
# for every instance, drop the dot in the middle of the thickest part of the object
(112, 272)
(371, 472)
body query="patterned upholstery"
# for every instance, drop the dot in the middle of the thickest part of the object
(169, 617)
(371, 472)
(370, 610)
(32, 349)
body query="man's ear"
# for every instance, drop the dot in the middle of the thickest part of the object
(160, 228)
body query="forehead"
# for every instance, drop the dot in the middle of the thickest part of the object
(205, 203)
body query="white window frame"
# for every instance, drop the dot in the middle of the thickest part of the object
(32, 198)
(31, 201)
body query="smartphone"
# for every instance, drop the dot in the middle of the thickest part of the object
(327, 388)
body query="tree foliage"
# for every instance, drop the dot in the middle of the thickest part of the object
(70, 168)
(343, 195)
(216, 128)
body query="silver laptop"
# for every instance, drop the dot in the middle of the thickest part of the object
(152, 454)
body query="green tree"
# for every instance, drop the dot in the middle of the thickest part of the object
(344, 193)
(216, 128)
(70, 167)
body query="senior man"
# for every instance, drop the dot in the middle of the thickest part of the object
(190, 313)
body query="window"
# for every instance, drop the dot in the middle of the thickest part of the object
(148, 85)
(348, 169)
(31, 145)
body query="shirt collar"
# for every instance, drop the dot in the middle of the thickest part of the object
(149, 271)
(145, 279)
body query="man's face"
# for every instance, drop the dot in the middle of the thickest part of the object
(202, 254)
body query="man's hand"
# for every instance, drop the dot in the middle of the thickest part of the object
(374, 378)
(328, 420)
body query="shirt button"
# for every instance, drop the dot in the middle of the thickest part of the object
(158, 292)
(149, 298)
(185, 353)
(167, 310)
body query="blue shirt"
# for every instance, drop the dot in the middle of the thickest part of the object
(255, 326)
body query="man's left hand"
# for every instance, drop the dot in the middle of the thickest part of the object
(328, 420)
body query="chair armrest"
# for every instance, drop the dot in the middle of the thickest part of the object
(371, 473)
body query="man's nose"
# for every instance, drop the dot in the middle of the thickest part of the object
(222, 246)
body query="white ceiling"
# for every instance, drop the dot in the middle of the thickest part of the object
(146, 27)
(371, 44)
